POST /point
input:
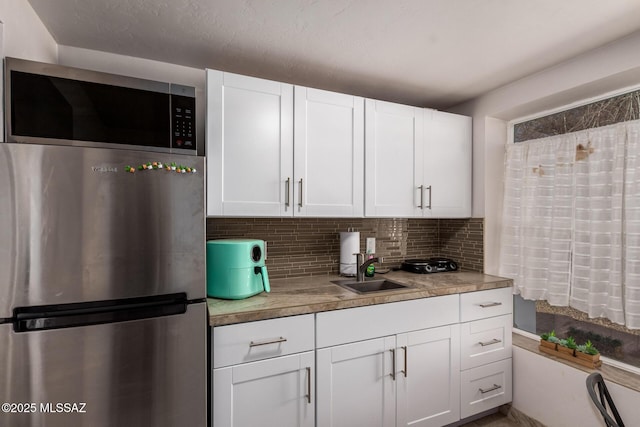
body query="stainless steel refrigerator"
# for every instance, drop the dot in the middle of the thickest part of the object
(102, 288)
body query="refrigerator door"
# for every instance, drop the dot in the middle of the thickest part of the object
(148, 372)
(76, 226)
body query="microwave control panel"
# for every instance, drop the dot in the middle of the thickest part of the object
(183, 122)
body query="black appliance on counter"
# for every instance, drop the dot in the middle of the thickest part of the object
(431, 265)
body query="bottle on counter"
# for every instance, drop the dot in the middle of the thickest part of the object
(371, 269)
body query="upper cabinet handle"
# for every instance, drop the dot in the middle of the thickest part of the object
(421, 205)
(287, 194)
(300, 201)
(429, 188)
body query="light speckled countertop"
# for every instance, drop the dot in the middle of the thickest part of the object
(313, 294)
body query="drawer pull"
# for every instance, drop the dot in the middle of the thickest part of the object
(308, 396)
(406, 368)
(393, 364)
(493, 341)
(495, 387)
(490, 304)
(272, 341)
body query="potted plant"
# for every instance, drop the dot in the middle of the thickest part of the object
(588, 352)
(549, 340)
(585, 354)
(567, 346)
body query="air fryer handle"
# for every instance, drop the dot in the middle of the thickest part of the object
(265, 277)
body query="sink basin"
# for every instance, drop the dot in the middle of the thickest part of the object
(368, 286)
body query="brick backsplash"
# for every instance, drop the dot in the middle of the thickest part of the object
(311, 246)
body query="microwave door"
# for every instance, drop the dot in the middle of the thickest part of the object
(58, 105)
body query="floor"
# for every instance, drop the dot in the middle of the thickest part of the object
(493, 420)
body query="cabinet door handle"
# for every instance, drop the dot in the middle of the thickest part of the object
(287, 197)
(493, 341)
(267, 342)
(487, 390)
(393, 364)
(490, 304)
(421, 188)
(300, 201)
(406, 367)
(429, 188)
(308, 396)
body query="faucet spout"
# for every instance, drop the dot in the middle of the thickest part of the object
(361, 266)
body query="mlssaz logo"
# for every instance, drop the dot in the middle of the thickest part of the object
(104, 169)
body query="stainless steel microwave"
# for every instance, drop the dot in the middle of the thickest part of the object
(54, 104)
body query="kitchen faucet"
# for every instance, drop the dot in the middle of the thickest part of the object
(361, 266)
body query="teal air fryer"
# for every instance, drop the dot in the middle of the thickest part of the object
(236, 268)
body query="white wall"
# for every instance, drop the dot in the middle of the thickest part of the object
(556, 394)
(546, 390)
(24, 35)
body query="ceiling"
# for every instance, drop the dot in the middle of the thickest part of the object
(430, 53)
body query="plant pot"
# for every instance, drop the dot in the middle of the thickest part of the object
(594, 358)
(548, 344)
(566, 350)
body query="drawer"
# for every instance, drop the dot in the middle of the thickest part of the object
(483, 304)
(373, 321)
(485, 341)
(485, 387)
(248, 342)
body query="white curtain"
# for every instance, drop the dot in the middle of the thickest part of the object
(571, 221)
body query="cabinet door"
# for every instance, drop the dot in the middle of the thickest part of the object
(329, 154)
(393, 143)
(447, 165)
(429, 377)
(355, 387)
(249, 133)
(270, 393)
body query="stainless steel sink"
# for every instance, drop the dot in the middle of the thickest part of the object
(368, 286)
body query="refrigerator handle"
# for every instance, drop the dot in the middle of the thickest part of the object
(29, 319)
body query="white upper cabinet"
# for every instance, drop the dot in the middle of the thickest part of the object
(249, 145)
(328, 154)
(278, 151)
(447, 165)
(417, 162)
(393, 134)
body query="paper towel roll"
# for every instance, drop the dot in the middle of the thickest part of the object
(349, 245)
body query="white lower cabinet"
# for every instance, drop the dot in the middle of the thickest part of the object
(264, 373)
(355, 387)
(485, 387)
(428, 381)
(409, 378)
(485, 380)
(270, 393)
(423, 363)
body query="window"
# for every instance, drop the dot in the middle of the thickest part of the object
(571, 224)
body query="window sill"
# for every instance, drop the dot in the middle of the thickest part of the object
(622, 377)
